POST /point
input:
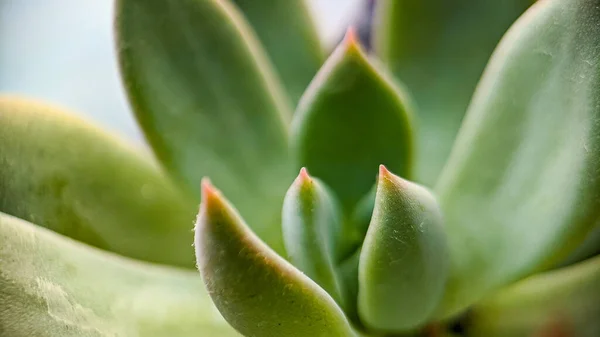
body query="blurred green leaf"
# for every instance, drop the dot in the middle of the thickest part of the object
(403, 265)
(521, 188)
(287, 32)
(588, 248)
(566, 300)
(439, 49)
(311, 232)
(51, 285)
(203, 92)
(257, 291)
(351, 119)
(64, 174)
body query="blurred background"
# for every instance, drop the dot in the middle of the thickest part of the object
(61, 51)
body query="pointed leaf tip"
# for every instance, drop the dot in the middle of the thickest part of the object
(403, 263)
(231, 258)
(304, 175)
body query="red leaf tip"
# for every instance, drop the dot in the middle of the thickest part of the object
(303, 176)
(383, 171)
(351, 36)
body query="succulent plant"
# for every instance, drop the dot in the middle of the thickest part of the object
(353, 197)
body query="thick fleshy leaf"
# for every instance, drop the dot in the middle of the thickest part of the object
(51, 285)
(521, 188)
(287, 32)
(588, 248)
(256, 290)
(439, 49)
(566, 301)
(404, 260)
(205, 97)
(351, 119)
(311, 229)
(64, 174)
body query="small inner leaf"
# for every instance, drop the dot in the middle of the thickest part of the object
(311, 230)
(521, 188)
(257, 291)
(350, 119)
(566, 300)
(404, 261)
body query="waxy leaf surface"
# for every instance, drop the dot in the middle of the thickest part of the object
(287, 33)
(521, 188)
(404, 261)
(257, 291)
(204, 94)
(51, 285)
(311, 229)
(351, 119)
(439, 49)
(564, 302)
(59, 172)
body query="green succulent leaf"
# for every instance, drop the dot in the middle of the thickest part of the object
(204, 94)
(351, 119)
(564, 302)
(521, 188)
(51, 285)
(588, 248)
(311, 228)
(64, 174)
(439, 49)
(404, 260)
(287, 32)
(256, 290)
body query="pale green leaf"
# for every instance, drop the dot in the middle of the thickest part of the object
(521, 188)
(51, 285)
(203, 92)
(564, 302)
(439, 49)
(403, 265)
(64, 174)
(257, 291)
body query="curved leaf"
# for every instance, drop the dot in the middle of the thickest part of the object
(257, 291)
(53, 286)
(311, 229)
(403, 265)
(521, 188)
(564, 300)
(439, 49)
(286, 30)
(204, 95)
(350, 120)
(64, 174)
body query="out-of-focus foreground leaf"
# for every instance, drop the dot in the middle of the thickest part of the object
(257, 291)
(203, 92)
(287, 32)
(351, 119)
(312, 227)
(51, 285)
(521, 188)
(565, 300)
(64, 174)
(404, 260)
(439, 49)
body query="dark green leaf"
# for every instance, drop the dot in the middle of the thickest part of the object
(257, 291)
(286, 30)
(521, 188)
(564, 302)
(51, 285)
(311, 231)
(404, 260)
(64, 174)
(202, 90)
(351, 119)
(439, 49)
